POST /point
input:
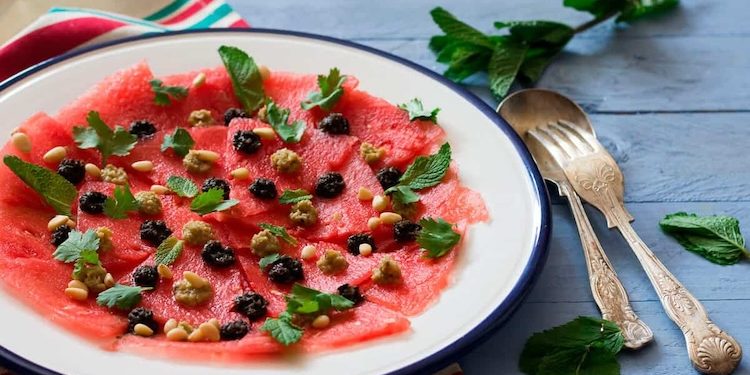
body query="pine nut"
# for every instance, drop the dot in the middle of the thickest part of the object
(77, 284)
(177, 334)
(364, 194)
(159, 189)
(373, 223)
(164, 271)
(216, 323)
(390, 217)
(196, 335)
(265, 133)
(210, 332)
(308, 252)
(92, 170)
(170, 325)
(55, 155)
(143, 166)
(199, 80)
(365, 249)
(77, 294)
(264, 72)
(21, 142)
(240, 173)
(71, 224)
(193, 278)
(321, 321)
(141, 329)
(380, 203)
(207, 156)
(109, 280)
(56, 222)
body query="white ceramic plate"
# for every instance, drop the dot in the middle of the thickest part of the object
(495, 269)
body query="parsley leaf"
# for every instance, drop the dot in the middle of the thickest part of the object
(118, 142)
(279, 232)
(267, 260)
(330, 91)
(180, 141)
(87, 257)
(282, 329)
(53, 188)
(77, 243)
(583, 346)
(424, 172)
(122, 202)
(278, 118)
(294, 196)
(304, 300)
(123, 297)
(168, 251)
(211, 201)
(246, 80)
(716, 238)
(182, 186)
(416, 111)
(163, 93)
(437, 237)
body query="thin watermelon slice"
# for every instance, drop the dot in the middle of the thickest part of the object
(250, 347)
(453, 201)
(25, 234)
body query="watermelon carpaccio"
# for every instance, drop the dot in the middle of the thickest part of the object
(29, 272)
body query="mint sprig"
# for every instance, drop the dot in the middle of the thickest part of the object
(58, 192)
(331, 89)
(163, 94)
(424, 172)
(278, 118)
(180, 141)
(123, 297)
(168, 251)
(120, 203)
(279, 232)
(282, 329)
(437, 237)
(246, 80)
(716, 238)
(211, 201)
(118, 142)
(416, 111)
(267, 260)
(294, 196)
(183, 187)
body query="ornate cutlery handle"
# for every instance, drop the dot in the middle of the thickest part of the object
(608, 292)
(711, 350)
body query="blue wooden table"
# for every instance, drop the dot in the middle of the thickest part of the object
(669, 97)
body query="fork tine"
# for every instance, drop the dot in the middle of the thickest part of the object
(587, 138)
(550, 145)
(561, 139)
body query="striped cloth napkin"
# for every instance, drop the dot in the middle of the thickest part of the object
(64, 29)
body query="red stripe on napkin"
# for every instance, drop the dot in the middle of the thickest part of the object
(185, 14)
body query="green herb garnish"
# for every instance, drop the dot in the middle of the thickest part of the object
(282, 329)
(87, 257)
(58, 192)
(77, 243)
(330, 91)
(180, 141)
(122, 202)
(182, 186)
(246, 80)
(416, 111)
(163, 93)
(123, 297)
(279, 232)
(98, 135)
(437, 237)
(424, 172)
(168, 251)
(716, 238)
(294, 196)
(583, 346)
(278, 118)
(211, 201)
(267, 260)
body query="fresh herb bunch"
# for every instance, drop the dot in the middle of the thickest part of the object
(527, 47)
(716, 238)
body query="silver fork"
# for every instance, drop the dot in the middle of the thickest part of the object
(596, 177)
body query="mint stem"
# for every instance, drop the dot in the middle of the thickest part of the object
(587, 25)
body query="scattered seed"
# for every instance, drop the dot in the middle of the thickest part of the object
(199, 79)
(373, 223)
(55, 155)
(77, 284)
(308, 252)
(365, 249)
(240, 173)
(210, 332)
(196, 335)
(159, 189)
(207, 156)
(390, 217)
(215, 322)
(364, 194)
(177, 334)
(56, 222)
(321, 321)
(141, 329)
(21, 142)
(265, 133)
(194, 280)
(77, 294)
(92, 170)
(164, 271)
(264, 72)
(71, 224)
(170, 325)
(379, 203)
(109, 280)
(143, 166)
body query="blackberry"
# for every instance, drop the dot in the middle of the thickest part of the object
(388, 177)
(234, 330)
(155, 232)
(263, 188)
(140, 315)
(246, 141)
(59, 235)
(72, 170)
(406, 230)
(334, 123)
(233, 113)
(353, 242)
(252, 305)
(285, 270)
(217, 255)
(142, 129)
(216, 183)
(329, 185)
(92, 202)
(351, 293)
(146, 276)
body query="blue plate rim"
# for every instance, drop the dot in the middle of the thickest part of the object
(476, 335)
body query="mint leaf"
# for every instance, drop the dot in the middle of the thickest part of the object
(168, 251)
(282, 329)
(403, 194)
(294, 196)
(437, 237)
(122, 202)
(118, 142)
(427, 171)
(330, 91)
(267, 260)
(716, 238)
(278, 118)
(180, 141)
(458, 30)
(504, 65)
(211, 201)
(246, 80)
(583, 346)
(58, 192)
(163, 93)
(77, 243)
(304, 300)
(182, 186)
(416, 111)
(637, 9)
(279, 232)
(121, 296)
